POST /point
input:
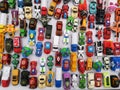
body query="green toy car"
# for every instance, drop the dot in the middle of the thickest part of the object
(70, 22)
(12, 3)
(82, 81)
(81, 38)
(106, 80)
(15, 62)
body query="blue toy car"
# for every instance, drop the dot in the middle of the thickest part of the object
(92, 7)
(115, 63)
(32, 37)
(39, 47)
(20, 3)
(66, 65)
(74, 47)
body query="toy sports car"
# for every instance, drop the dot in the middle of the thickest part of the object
(39, 47)
(32, 37)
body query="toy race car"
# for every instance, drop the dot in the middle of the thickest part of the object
(32, 37)
(47, 47)
(39, 47)
(89, 50)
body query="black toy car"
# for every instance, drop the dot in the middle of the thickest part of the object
(4, 7)
(48, 32)
(32, 24)
(9, 44)
(27, 2)
(114, 81)
(24, 78)
(23, 28)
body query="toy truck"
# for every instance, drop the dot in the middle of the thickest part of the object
(56, 43)
(74, 42)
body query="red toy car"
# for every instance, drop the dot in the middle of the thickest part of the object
(98, 79)
(33, 69)
(41, 34)
(89, 37)
(59, 26)
(24, 63)
(99, 33)
(108, 47)
(91, 19)
(107, 33)
(17, 44)
(33, 82)
(81, 66)
(89, 50)
(58, 13)
(47, 47)
(116, 48)
(43, 11)
(6, 59)
(65, 9)
(58, 59)
(107, 20)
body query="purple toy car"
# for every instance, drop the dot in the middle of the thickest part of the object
(66, 81)
(15, 17)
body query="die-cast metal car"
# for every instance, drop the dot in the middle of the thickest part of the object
(47, 47)
(15, 76)
(42, 81)
(9, 44)
(98, 79)
(41, 34)
(106, 79)
(74, 12)
(15, 17)
(42, 64)
(39, 47)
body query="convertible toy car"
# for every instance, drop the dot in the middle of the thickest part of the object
(107, 20)
(15, 17)
(42, 81)
(82, 81)
(32, 37)
(39, 47)
(106, 79)
(41, 34)
(98, 79)
(47, 47)
(89, 37)
(9, 45)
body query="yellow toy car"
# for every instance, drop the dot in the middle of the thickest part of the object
(1, 43)
(0, 61)
(15, 76)
(74, 13)
(89, 63)
(28, 12)
(42, 81)
(73, 61)
(83, 24)
(52, 8)
(50, 78)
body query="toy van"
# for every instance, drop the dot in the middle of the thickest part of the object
(56, 43)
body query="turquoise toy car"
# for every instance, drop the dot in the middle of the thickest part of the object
(70, 22)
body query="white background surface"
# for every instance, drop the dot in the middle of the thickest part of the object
(33, 57)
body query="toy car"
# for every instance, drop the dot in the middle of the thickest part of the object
(20, 3)
(75, 25)
(41, 34)
(42, 65)
(37, 8)
(4, 7)
(117, 13)
(116, 48)
(114, 81)
(6, 59)
(58, 59)
(39, 47)
(58, 13)
(65, 9)
(17, 47)
(74, 81)
(42, 81)
(98, 79)
(11, 3)
(56, 43)
(70, 22)
(5, 80)
(98, 48)
(65, 51)
(33, 82)
(33, 70)
(83, 24)
(66, 39)
(66, 81)
(1, 43)
(89, 63)
(81, 66)
(58, 77)
(44, 20)
(93, 7)
(73, 61)
(89, 50)
(74, 12)
(81, 38)
(107, 19)
(47, 47)
(91, 23)
(89, 37)
(52, 8)
(43, 11)
(106, 79)
(15, 17)
(9, 44)
(23, 28)
(97, 65)
(99, 33)
(76, 2)
(65, 65)
(28, 12)
(115, 64)
(32, 24)
(107, 33)
(81, 52)
(24, 78)
(59, 26)
(106, 63)
(1, 61)
(15, 76)
(50, 78)
(91, 81)
(50, 63)
(32, 37)
(24, 63)
(48, 32)
(82, 81)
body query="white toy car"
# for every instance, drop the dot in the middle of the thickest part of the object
(37, 8)
(74, 80)
(81, 52)
(21, 13)
(6, 76)
(75, 25)
(42, 65)
(74, 13)
(56, 43)
(106, 63)
(66, 39)
(91, 81)
(3, 19)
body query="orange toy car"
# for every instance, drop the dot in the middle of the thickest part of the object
(73, 61)
(89, 63)
(117, 14)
